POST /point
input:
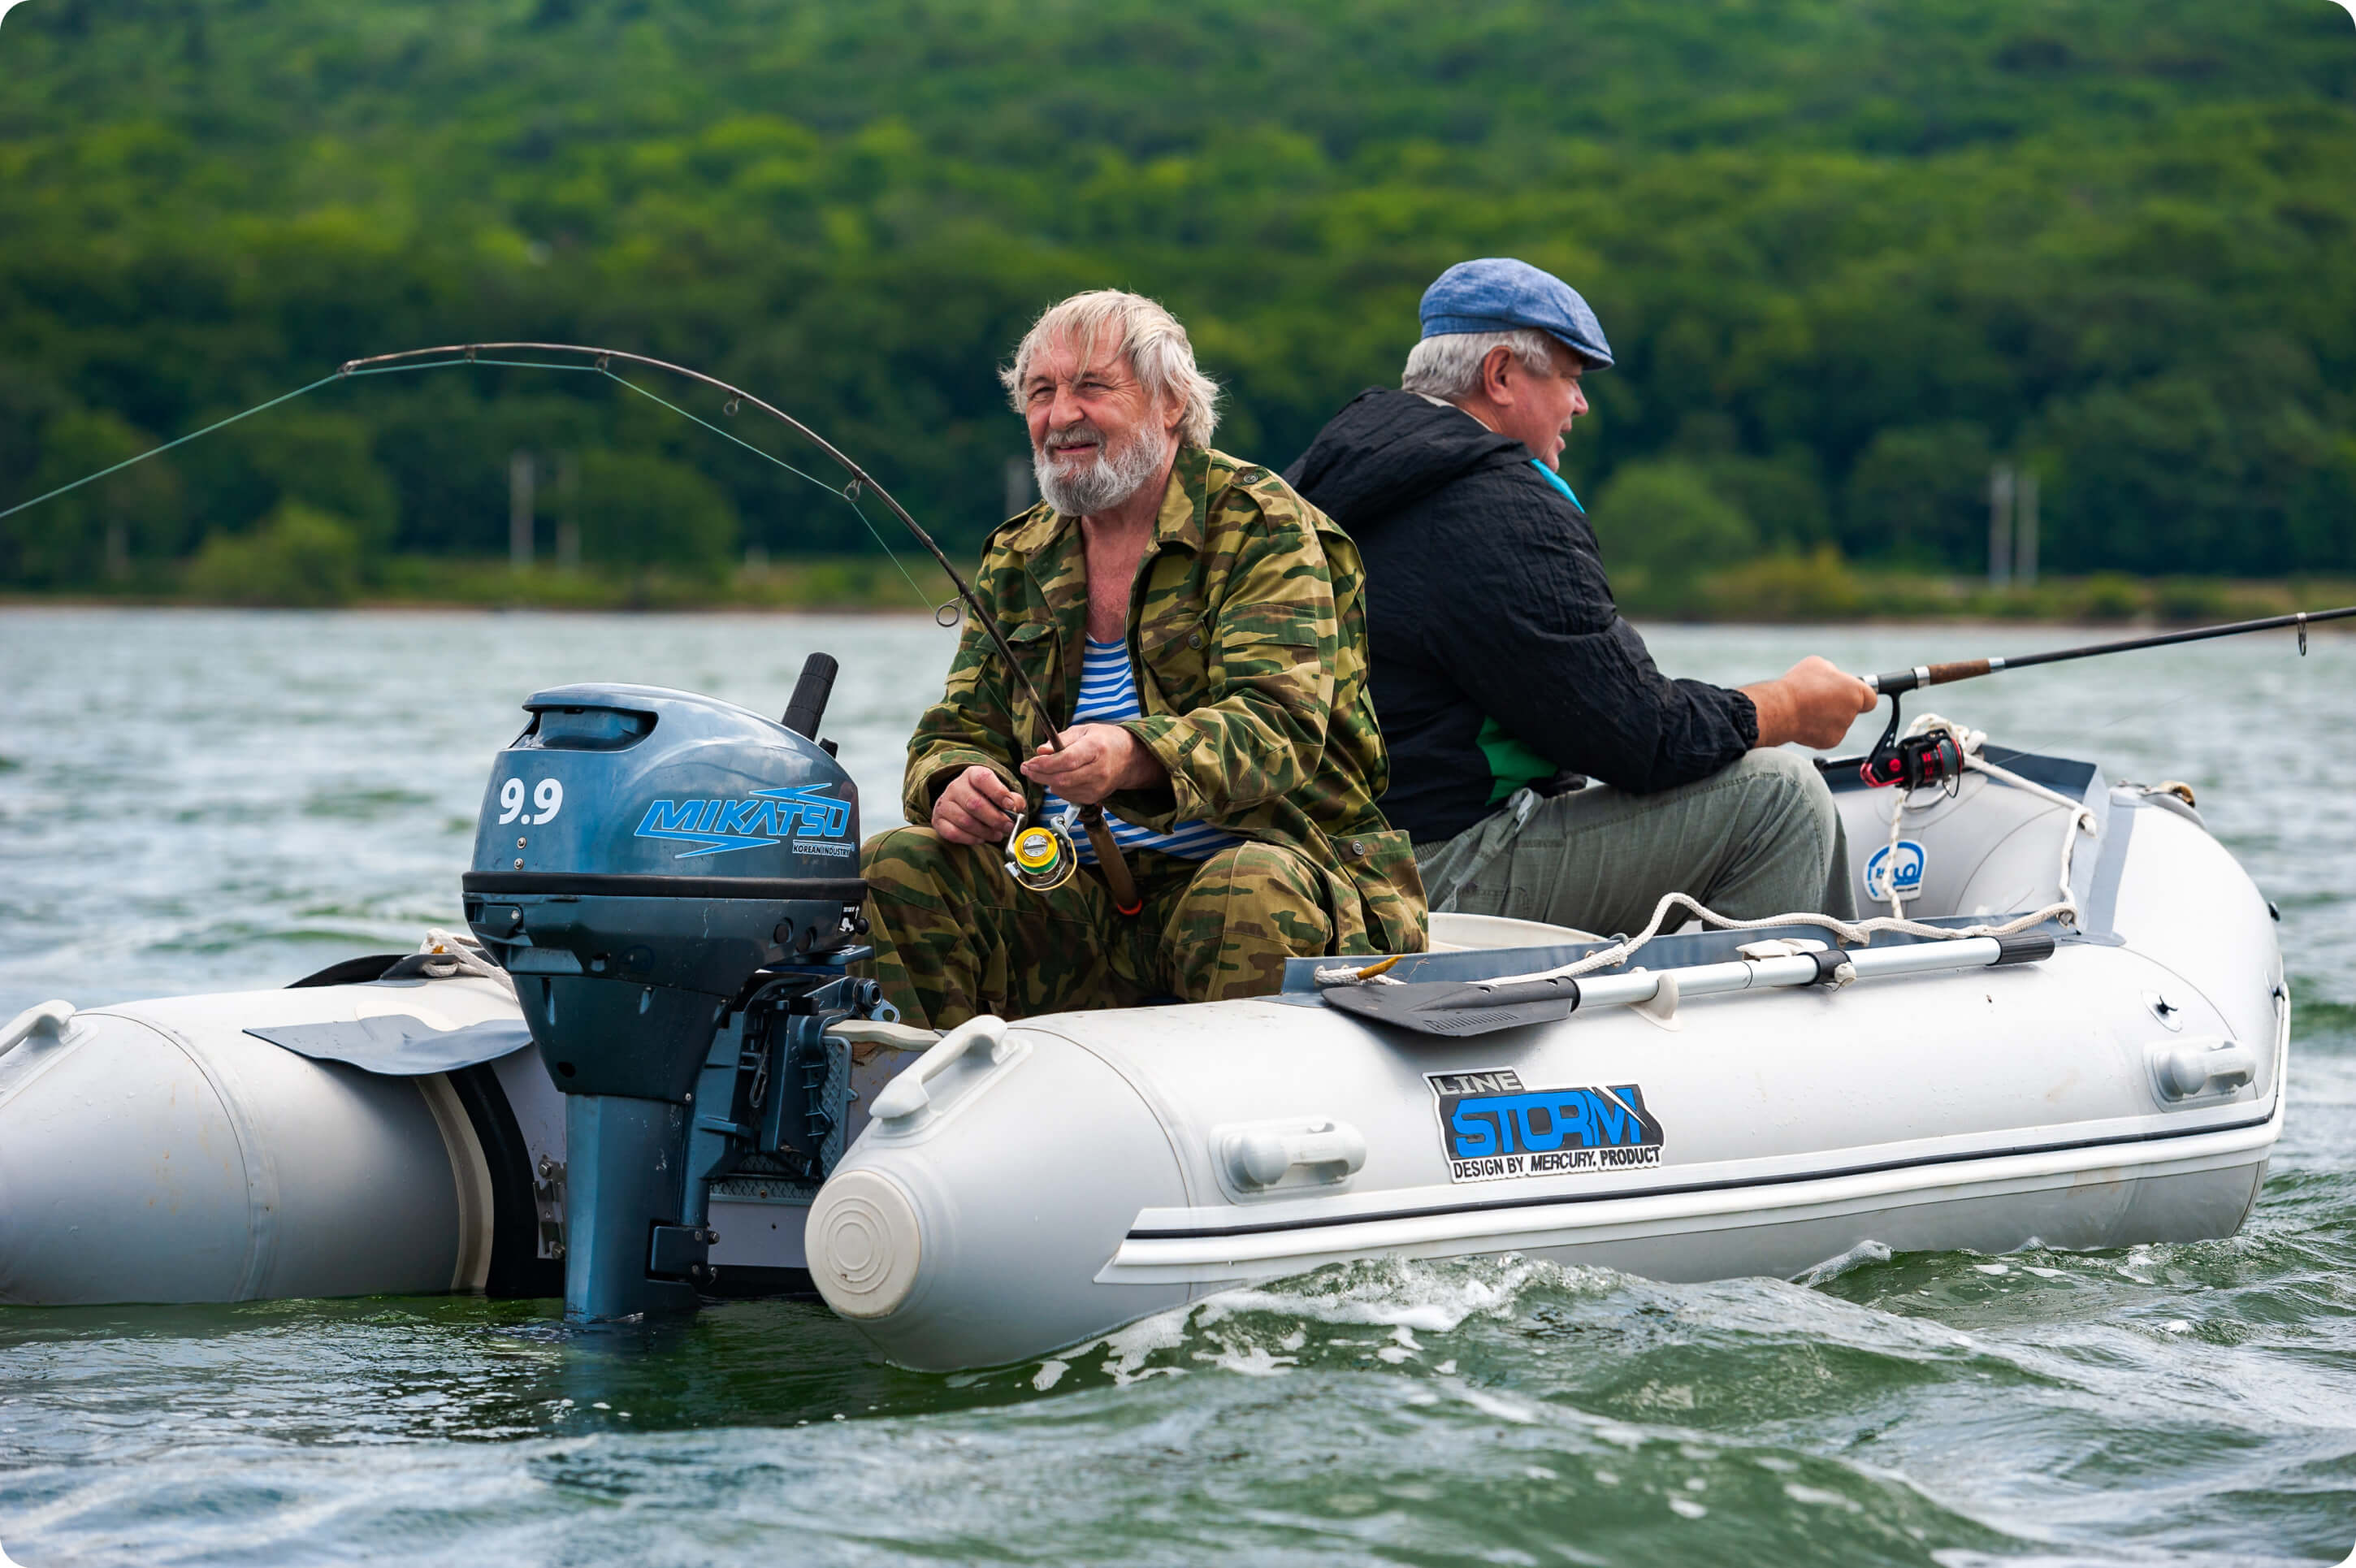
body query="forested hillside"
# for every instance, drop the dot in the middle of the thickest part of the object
(1849, 252)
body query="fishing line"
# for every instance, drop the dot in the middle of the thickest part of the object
(1110, 861)
(167, 445)
(843, 494)
(840, 495)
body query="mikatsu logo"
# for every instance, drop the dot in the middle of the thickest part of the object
(1492, 1128)
(767, 817)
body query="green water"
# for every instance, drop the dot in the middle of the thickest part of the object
(193, 801)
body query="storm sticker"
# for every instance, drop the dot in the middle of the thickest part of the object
(1492, 1128)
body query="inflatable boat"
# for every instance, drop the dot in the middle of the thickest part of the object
(651, 1074)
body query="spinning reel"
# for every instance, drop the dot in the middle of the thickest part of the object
(1913, 761)
(1041, 855)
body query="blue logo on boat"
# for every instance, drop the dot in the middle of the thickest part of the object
(1910, 861)
(1492, 1127)
(765, 817)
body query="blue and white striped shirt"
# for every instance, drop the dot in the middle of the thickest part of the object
(1107, 696)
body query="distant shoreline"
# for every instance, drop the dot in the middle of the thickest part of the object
(1769, 591)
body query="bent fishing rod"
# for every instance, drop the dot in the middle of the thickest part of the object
(1036, 869)
(1917, 760)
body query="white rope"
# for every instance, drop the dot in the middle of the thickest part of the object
(1860, 933)
(464, 956)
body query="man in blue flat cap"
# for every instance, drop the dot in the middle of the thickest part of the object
(1503, 673)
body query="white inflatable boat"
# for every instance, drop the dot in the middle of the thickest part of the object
(1720, 1103)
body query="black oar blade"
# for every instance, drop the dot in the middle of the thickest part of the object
(1453, 1008)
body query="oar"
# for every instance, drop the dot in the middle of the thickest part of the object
(1898, 681)
(1454, 1009)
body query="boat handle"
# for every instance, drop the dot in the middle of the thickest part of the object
(2195, 1069)
(1263, 1156)
(905, 1099)
(48, 1019)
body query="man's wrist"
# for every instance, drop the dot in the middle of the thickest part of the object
(1140, 769)
(1771, 702)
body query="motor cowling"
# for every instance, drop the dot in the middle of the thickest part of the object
(646, 859)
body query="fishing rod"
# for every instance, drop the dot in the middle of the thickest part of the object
(1042, 852)
(1898, 681)
(1917, 760)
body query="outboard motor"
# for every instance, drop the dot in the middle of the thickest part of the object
(673, 882)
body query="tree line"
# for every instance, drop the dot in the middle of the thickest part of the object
(1850, 254)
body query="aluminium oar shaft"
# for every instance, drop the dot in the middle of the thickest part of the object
(1897, 681)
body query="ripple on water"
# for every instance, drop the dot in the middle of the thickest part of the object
(264, 814)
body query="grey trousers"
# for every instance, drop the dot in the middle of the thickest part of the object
(1758, 838)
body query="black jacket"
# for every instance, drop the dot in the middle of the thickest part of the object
(1486, 599)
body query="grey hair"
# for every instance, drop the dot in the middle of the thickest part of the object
(1448, 365)
(1150, 339)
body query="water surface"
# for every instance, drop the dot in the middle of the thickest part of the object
(201, 801)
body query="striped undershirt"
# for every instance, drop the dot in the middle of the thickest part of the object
(1107, 696)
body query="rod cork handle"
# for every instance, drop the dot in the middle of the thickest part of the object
(1891, 682)
(1117, 881)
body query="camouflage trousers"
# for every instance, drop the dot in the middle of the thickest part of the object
(956, 936)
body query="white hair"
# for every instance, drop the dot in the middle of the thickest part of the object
(1150, 339)
(1447, 366)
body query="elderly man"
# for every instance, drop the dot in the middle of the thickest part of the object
(1504, 674)
(1199, 631)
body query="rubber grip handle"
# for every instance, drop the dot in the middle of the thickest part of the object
(1560, 988)
(810, 693)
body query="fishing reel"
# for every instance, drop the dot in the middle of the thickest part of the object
(1913, 761)
(1042, 855)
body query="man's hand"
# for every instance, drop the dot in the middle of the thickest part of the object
(1812, 703)
(1096, 760)
(976, 808)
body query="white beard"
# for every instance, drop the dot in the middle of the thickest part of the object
(1114, 477)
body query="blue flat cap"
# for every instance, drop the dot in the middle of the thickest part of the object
(1497, 293)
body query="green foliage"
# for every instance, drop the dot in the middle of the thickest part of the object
(1846, 249)
(68, 540)
(1662, 525)
(1787, 587)
(2110, 596)
(1919, 494)
(640, 513)
(298, 557)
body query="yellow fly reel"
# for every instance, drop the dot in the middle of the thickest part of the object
(1041, 857)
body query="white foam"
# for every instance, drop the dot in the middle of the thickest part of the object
(1832, 1268)
(1129, 1347)
(1498, 1406)
(1394, 1293)
(1251, 1360)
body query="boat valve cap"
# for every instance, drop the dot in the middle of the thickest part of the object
(863, 1244)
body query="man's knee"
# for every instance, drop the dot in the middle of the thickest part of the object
(900, 859)
(916, 866)
(1265, 884)
(1248, 909)
(1789, 788)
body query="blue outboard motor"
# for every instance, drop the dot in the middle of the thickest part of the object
(673, 882)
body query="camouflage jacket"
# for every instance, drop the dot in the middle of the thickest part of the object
(1247, 641)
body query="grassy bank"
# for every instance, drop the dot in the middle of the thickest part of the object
(1775, 588)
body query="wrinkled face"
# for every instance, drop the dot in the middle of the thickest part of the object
(1095, 434)
(1537, 411)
